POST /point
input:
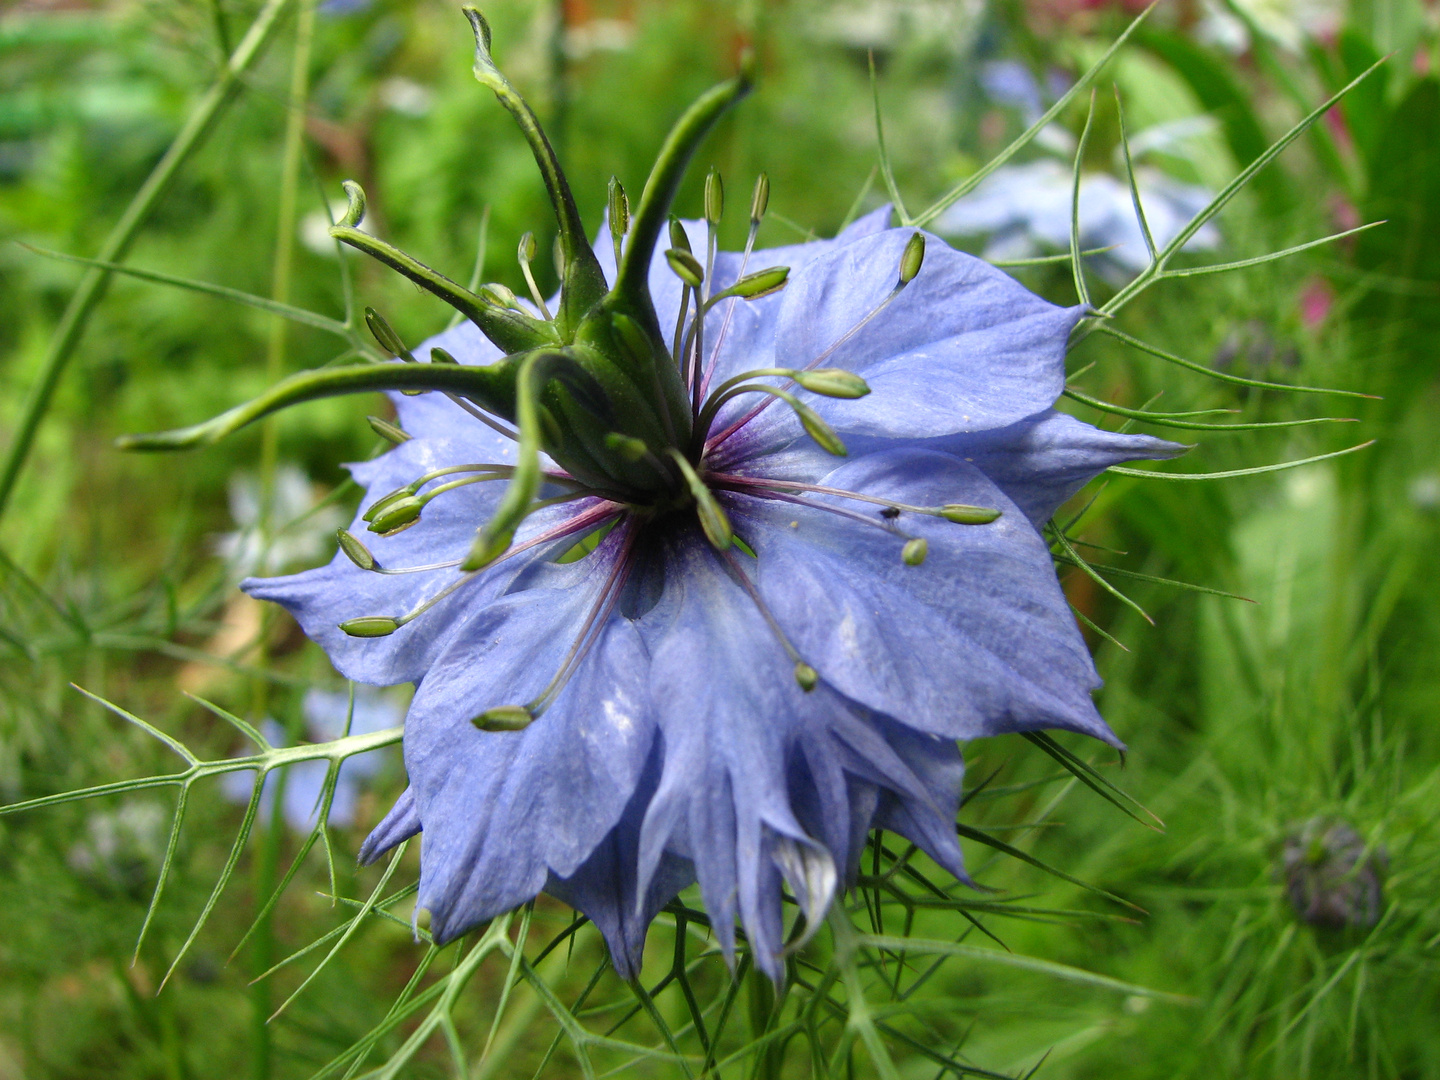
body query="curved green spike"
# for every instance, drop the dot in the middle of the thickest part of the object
(492, 387)
(512, 331)
(664, 181)
(583, 282)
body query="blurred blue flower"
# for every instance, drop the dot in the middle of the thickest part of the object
(1024, 210)
(325, 715)
(743, 717)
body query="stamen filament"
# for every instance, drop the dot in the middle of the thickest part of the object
(710, 444)
(578, 523)
(950, 512)
(729, 312)
(853, 515)
(599, 614)
(805, 675)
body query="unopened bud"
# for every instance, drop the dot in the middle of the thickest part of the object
(686, 267)
(714, 197)
(760, 200)
(806, 676)
(832, 382)
(914, 551)
(355, 205)
(354, 550)
(968, 515)
(370, 626)
(527, 248)
(499, 295)
(913, 258)
(619, 209)
(504, 718)
(440, 356)
(678, 238)
(386, 430)
(403, 511)
(629, 448)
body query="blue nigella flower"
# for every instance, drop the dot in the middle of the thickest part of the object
(703, 598)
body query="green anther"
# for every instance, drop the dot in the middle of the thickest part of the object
(629, 448)
(488, 547)
(385, 334)
(967, 515)
(818, 429)
(712, 517)
(754, 286)
(760, 200)
(440, 356)
(806, 676)
(355, 208)
(370, 626)
(500, 295)
(387, 431)
(913, 258)
(504, 718)
(678, 237)
(619, 209)
(528, 248)
(832, 382)
(914, 551)
(403, 511)
(354, 550)
(686, 267)
(379, 505)
(714, 197)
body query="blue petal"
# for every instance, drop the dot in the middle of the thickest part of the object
(401, 823)
(963, 348)
(502, 811)
(747, 755)
(322, 598)
(605, 886)
(977, 641)
(1041, 462)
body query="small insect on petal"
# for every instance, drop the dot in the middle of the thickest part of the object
(354, 550)
(968, 515)
(914, 551)
(370, 626)
(504, 718)
(832, 382)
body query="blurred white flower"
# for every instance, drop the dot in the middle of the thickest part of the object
(325, 713)
(294, 541)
